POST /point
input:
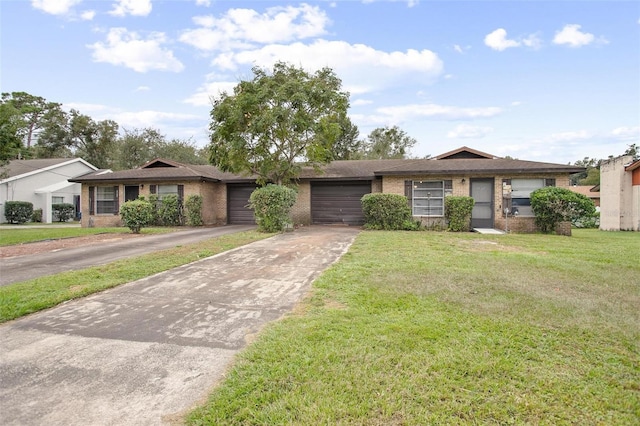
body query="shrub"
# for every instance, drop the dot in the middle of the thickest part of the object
(552, 205)
(193, 206)
(155, 203)
(271, 205)
(387, 211)
(37, 215)
(136, 214)
(18, 211)
(169, 210)
(457, 212)
(63, 211)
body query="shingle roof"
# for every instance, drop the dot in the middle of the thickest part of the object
(22, 167)
(161, 169)
(476, 165)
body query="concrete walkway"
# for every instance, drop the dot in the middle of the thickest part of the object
(145, 352)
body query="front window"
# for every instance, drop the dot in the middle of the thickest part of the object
(106, 199)
(164, 190)
(57, 200)
(428, 198)
(521, 190)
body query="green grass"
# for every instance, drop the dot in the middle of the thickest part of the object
(441, 328)
(12, 236)
(26, 297)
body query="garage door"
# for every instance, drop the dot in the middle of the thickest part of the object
(338, 202)
(237, 200)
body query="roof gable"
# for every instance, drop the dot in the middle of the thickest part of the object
(18, 169)
(161, 162)
(463, 153)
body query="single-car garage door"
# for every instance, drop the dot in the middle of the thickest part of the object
(338, 202)
(237, 200)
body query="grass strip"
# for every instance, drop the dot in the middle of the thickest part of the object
(442, 328)
(12, 236)
(26, 297)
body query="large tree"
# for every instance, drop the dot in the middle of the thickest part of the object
(388, 142)
(276, 120)
(347, 146)
(68, 134)
(34, 112)
(10, 141)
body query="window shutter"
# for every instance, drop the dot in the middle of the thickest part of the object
(116, 201)
(549, 182)
(92, 199)
(408, 191)
(180, 192)
(506, 182)
(152, 189)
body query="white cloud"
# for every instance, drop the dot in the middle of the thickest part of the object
(361, 68)
(142, 89)
(128, 49)
(212, 88)
(569, 136)
(361, 102)
(205, 3)
(572, 36)
(497, 40)
(467, 131)
(55, 7)
(407, 113)
(627, 133)
(148, 118)
(457, 48)
(243, 28)
(131, 7)
(88, 15)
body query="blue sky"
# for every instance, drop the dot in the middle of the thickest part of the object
(543, 81)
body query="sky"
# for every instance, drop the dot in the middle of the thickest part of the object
(551, 81)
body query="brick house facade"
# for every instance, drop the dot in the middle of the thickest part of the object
(332, 194)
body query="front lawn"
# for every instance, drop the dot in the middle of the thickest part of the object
(441, 328)
(11, 236)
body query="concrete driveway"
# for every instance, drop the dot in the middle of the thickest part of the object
(22, 268)
(145, 352)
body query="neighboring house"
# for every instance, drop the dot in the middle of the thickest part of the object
(43, 182)
(590, 191)
(620, 194)
(332, 195)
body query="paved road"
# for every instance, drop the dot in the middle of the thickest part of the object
(21, 268)
(145, 352)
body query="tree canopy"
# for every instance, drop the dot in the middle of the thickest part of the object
(275, 121)
(388, 142)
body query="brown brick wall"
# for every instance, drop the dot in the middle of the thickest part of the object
(301, 210)
(395, 185)
(208, 191)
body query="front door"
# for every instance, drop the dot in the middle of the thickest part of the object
(482, 191)
(131, 192)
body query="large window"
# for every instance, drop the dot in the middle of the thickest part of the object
(103, 200)
(106, 199)
(164, 190)
(428, 198)
(521, 190)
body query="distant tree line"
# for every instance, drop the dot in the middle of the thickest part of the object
(591, 175)
(32, 127)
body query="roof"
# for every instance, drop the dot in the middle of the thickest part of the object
(452, 163)
(476, 165)
(587, 190)
(464, 152)
(17, 169)
(633, 166)
(161, 169)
